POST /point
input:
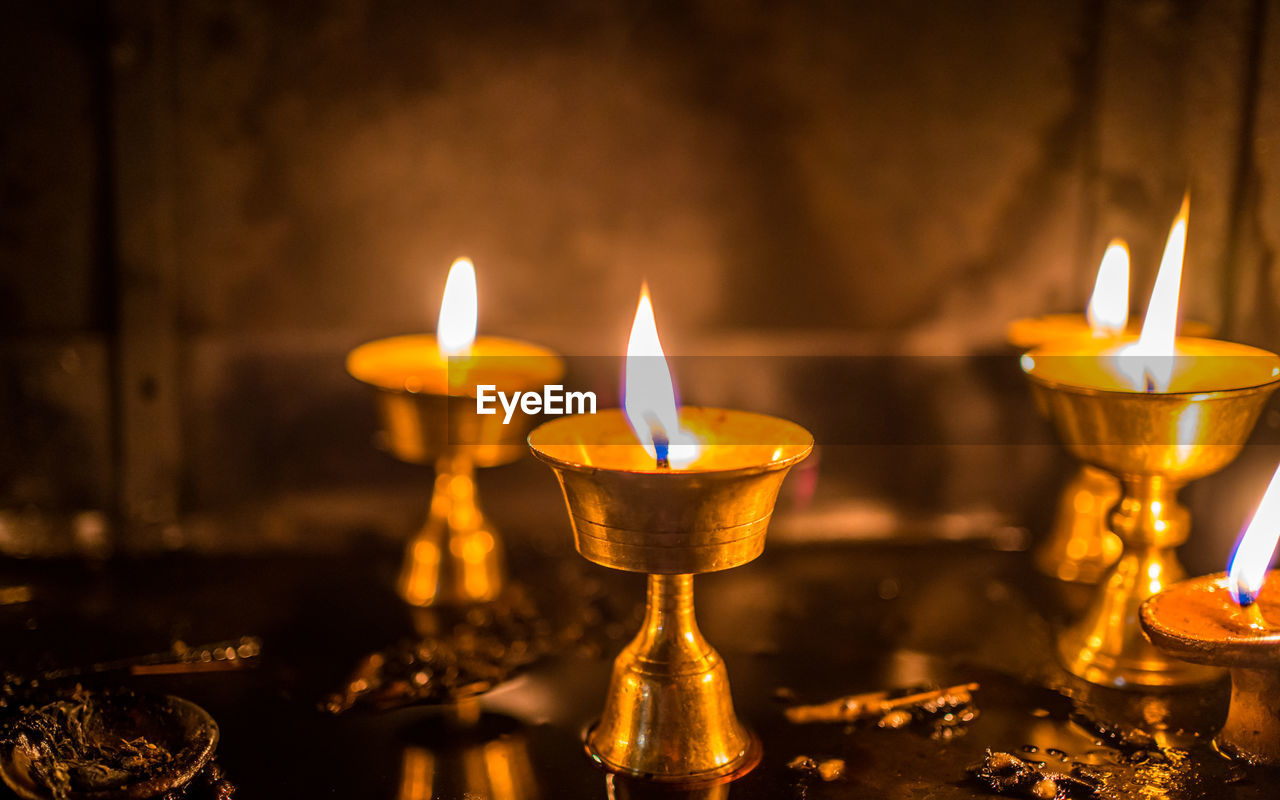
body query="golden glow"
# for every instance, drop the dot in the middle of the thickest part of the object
(1108, 310)
(417, 774)
(1248, 570)
(1148, 364)
(456, 326)
(649, 398)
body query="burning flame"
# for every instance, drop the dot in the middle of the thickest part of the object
(456, 326)
(1108, 311)
(650, 397)
(1248, 570)
(1148, 363)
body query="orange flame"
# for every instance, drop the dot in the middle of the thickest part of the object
(1108, 311)
(1248, 570)
(649, 396)
(1148, 363)
(456, 326)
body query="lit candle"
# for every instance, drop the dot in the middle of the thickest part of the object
(650, 397)
(454, 361)
(1108, 309)
(652, 423)
(425, 389)
(1106, 315)
(1230, 620)
(1080, 545)
(1252, 556)
(1157, 360)
(670, 491)
(1157, 411)
(1149, 362)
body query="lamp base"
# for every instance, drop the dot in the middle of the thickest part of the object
(1252, 729)
(1107, 646)
(456, 557)
(1201, 621)
(1081, 546)
(1135, 666)
(669, 715)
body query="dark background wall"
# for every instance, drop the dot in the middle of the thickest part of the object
(203, 205)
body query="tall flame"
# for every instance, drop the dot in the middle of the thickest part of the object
(1149, 362)
(1108, 311)
(1248, 570)
(456, 326)
(649, 396)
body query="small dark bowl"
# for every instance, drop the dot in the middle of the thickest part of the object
(186, 728)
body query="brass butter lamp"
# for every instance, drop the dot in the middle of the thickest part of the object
(1080, 545)
(425, 388)
(1232, 620)
(669, 493)
(1156, 412)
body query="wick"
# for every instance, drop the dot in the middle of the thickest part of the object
(1151, 382)
(1252, 611)
(661, 443)
(662, 450)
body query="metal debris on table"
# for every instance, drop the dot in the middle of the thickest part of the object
(828, 769)
(1006, 774)
(470, 651)
(1120, 737)
(105, 744)
(943, 713)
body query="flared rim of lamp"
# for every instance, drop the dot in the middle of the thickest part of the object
(412, 364)
(1038, 364)
(733, 443)
(1197, 620)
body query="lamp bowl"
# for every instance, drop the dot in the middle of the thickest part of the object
(629, 515)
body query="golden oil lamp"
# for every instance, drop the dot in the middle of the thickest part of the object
(1080, 545)
(1156, 412)
(671, 493)
(1232, 620)
(425, 389)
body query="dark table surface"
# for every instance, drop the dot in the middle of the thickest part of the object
(806, 621)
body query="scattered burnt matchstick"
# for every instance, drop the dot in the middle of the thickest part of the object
(944, 712)
(1006, 774)
(858, 707)
(180, 659)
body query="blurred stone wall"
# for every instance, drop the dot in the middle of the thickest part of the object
(205, 204)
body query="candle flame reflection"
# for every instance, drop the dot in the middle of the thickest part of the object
(1249, 562)
(456, 326)
(649, 395)
(1148, 363)
(1108, 310)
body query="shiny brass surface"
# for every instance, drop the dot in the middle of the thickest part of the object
(1198, 621)
(427, 415)
(1154, 443)
(456, 557)
(668, 716)
(1080, 545)
(629, 515)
